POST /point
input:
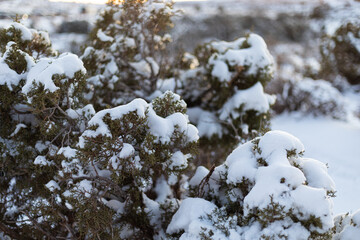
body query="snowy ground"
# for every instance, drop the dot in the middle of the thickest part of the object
(336, 143)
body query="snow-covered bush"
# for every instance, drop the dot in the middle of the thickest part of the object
(341, 52)
(347, 226)
(264, 190)
(315, 97)
(126, 176)
(223, 84)
(68, 172)
(126, 56)
(41, 110)
(127, 59)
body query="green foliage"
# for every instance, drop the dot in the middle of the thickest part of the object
(127, 54)
(340, 53)
(35, 124)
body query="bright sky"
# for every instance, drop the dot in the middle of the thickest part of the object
(103, 1)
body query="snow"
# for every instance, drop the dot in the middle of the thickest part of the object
(114, 204)
(350, 233)
(8, 76)
(142, 67)
(314, 173)
(26, 34)
(137, 105)
(42, 161)
(275, 144)
(129, 42)
(84, 187)
(103, 37)
(162, 190)
(335, 143)
(251, 98)
(191, 209)
(256, 56)
(52, 185)
(168, 84)
(68, 152)
(199, 175)
(241, 164)
(356, 218)
(42, 73)
(126, 151)
(220, 70)
(163, 128)
(308, 201)
(18, 128)
(270, 168)
(354, 41)
(178, 160)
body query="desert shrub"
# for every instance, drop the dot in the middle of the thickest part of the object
(224, 89)
(127, 59)
(347, 226)
(264, 190)
(41, 110)
(314, 97)
(69, 172)
(127, 54)
(129, 182)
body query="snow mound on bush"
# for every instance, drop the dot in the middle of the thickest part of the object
(44, 70)
(276, 191)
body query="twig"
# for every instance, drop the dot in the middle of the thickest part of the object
(204, 181)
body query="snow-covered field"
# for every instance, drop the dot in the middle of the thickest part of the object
(333, 142)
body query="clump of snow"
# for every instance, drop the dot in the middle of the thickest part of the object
(42, 73)
(189, 213)
(142, 67)
(8, 76)
(335, 143)
(347, 226)
(252, 98)
(18, 128)
(26, 34)
(179, 160)
(103, 37)
(52, 186)
(42, 161)
(84, 187)
(68, 152)
(138, 105)
(206, 122)
(126, 151)
(256, 56)
(263, 177)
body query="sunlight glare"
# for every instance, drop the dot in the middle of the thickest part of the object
(104, 1)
